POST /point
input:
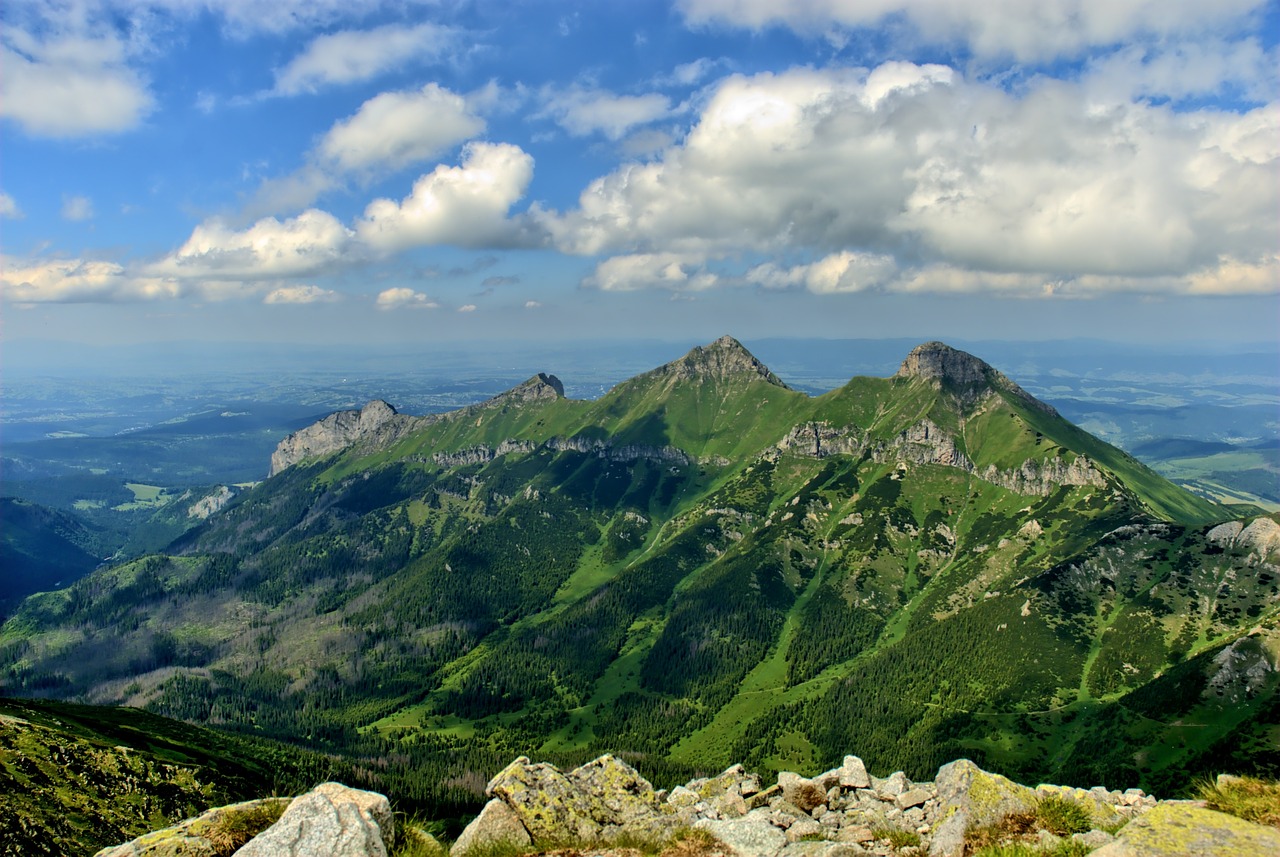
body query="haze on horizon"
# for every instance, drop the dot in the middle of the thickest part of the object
(436, 171)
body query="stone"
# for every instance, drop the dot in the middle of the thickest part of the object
(802, 793)
(197, 837)
(497, 824)
(853, 774)
(970, 797)
(803, 827)
(332, 819)
(822, 849)
(596, 798)
(911, 797)
(746, 837)
(857, 834)
(1185, 830)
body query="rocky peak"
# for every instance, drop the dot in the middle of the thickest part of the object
(337, 431)
(540, 387)
(725, 358)
(939, 361)
(969, 377)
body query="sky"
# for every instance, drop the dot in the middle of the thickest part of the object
(355, 171)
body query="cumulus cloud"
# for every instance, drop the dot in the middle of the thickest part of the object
(77, 208)
(532, 304)
(390, 131)
(351, 56)
(1042, 30)
(313, 242)
(671, 271)
(300, 295)
(467, 308)
(584, 111)
(845, 271)
(395, 129)
(466, 205)
(78, 281)
(918, 165)
(69, 85)
(405, 298)
(9, 208)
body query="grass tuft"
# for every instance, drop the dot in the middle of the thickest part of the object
(897, 837)
(1062, 817)
(230, 830)
(1251, 798)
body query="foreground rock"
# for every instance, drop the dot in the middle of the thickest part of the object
(331, 819)
(1185, 830)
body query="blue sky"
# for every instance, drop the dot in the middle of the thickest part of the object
(347, 171)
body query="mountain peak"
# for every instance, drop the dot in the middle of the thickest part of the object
(540, 387)
(962, 373)
(724, 358)
(939, 361)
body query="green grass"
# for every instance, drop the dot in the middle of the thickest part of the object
(1250, 798)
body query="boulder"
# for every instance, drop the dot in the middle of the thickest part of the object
(1186, 830)
(496, 825)
(595, 801)
(853, 774)
(331, 819)
(206, 835)
(746, 837)
(970, 797)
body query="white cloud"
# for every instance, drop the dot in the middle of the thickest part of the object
(1041, 30)
(467, 308)
(9, 208)
(351, 56)
(583, 111)
(845, 271)
(466, 205)
(670, 271)
(1183, 70)
(77, 208)
(390, 131)
(919, 165)
(395, 129)
(69, 85)
(313, 242)
(300, 295)
(404, 298)
(532, 304)
(78, 281)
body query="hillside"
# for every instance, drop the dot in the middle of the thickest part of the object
(703, 566)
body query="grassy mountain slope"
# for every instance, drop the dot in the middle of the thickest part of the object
(702, 567)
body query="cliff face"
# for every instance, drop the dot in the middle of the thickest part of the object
(376, 420)
(971, 380)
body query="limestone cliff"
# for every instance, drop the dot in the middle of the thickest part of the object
(375, 421)
(969, 379)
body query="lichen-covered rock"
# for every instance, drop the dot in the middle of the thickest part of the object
(1185, 830)
(497, 824)
(333, 820)
(970, 797)
(747, 837)
(595, 801)
(206, 835)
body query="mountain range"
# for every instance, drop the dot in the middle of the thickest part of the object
(703, 566)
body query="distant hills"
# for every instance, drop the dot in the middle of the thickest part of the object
(703, 566)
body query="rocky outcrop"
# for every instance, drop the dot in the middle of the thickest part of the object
(377, 422)
(606, 804)
(926, 443)
(969, 379)
(331, 819)
(1261, 537)
(843, 811)
(1186, 830)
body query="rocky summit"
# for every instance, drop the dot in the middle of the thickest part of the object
(607, 808)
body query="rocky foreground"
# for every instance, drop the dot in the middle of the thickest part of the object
(606, 807)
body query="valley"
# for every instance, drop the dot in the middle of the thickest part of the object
(704, 565)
